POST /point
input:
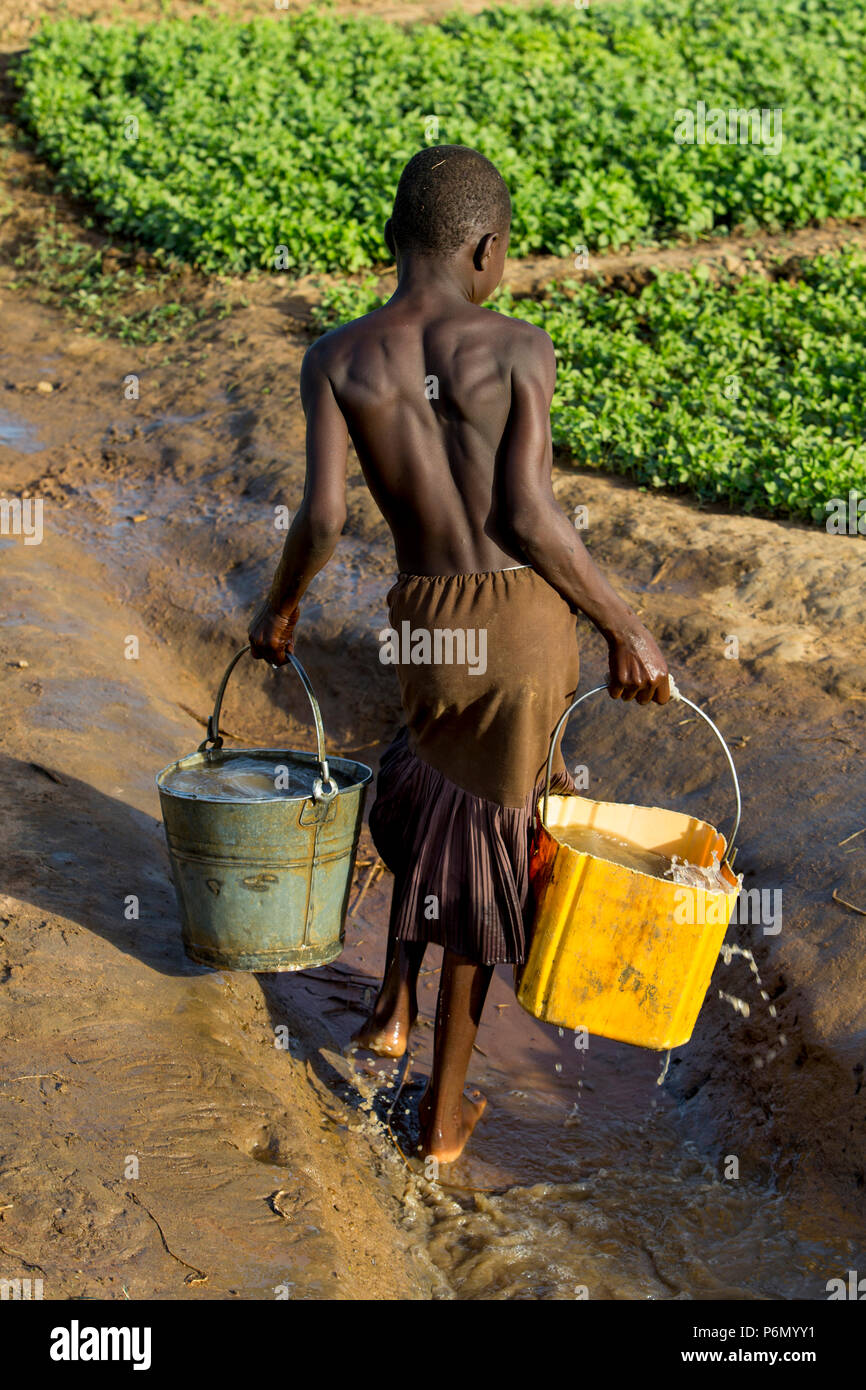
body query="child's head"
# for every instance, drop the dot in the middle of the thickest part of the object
(451, 202)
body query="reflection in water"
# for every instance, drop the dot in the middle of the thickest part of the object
(19, 434)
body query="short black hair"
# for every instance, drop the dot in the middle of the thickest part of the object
(445, 193)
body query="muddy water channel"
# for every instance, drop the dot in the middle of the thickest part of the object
(593, 1173)
(584, 1180)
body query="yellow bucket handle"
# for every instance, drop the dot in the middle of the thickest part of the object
(676, 695)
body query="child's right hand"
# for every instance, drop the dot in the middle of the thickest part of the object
(272, 635)
(638, 671)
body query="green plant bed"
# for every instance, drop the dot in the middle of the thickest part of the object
(222, 141)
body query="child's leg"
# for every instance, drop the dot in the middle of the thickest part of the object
(387, 1030)
(447, 1116)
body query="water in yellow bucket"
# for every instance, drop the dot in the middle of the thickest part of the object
(633, 903)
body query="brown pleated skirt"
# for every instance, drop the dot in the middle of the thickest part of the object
(458, 788)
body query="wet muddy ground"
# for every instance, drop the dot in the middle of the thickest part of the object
(262, 1169)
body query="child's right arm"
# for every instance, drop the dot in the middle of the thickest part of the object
(319, 520)
(549, 541)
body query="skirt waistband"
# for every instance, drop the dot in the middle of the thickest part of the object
(480, 574)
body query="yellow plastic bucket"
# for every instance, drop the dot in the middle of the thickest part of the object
(616, 951)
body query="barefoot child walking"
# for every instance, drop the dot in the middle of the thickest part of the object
(447, 405)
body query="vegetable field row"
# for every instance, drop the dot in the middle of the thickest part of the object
(222, 141)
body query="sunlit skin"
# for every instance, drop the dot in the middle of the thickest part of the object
(464, 481)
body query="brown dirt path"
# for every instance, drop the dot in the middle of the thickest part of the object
(157, 1143)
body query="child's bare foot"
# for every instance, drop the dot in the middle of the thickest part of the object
(386, 1031)
(445, 1140)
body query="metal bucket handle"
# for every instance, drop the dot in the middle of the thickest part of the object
(214, 737)
(675, 695)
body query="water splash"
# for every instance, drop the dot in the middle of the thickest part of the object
(573, 1117)
(707, 876)
(739, 1006)
(666, 1066)
(728, 952)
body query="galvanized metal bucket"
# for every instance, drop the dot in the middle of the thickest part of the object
(264, 884)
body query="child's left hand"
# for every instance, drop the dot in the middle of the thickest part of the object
(272, 634)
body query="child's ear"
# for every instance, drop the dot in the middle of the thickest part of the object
(389, 239)
(484, 250)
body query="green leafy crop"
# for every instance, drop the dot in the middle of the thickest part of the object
(221, 141)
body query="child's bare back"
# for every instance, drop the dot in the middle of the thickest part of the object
(425, 389)
(448, 405)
